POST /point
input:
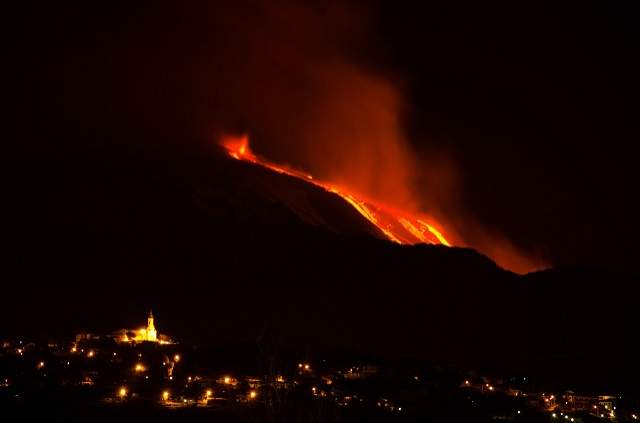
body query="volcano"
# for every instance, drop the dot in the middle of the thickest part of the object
(232, 251)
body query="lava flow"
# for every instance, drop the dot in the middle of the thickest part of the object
(399, 227)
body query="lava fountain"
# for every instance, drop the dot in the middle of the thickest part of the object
(397, 226)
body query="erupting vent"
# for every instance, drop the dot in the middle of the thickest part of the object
(397, 226)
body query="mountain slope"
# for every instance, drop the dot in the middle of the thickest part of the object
(224, 251)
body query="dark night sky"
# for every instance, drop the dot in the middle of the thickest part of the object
(533, 105)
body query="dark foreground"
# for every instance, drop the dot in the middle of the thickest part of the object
(49, 411)
(455, 408)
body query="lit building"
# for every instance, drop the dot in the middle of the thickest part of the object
(84, 336)
(148, 334)
(603, 404)
(360, 372)
(143, 334)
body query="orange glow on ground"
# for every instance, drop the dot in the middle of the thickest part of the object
(397, 226)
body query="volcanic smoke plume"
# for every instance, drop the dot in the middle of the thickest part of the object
(303, 80)
(301, 88)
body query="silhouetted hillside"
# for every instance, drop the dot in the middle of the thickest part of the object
(220, 250)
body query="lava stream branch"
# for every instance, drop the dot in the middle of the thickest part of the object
(399, 227)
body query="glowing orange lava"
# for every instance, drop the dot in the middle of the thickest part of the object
(399, 227)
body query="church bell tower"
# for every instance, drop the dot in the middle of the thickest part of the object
(152, 334)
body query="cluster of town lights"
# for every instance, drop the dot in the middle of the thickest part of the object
(597, 406)
(566, 416)
(208, 394)
(122, 392)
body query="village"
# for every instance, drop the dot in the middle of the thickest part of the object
(143, 366)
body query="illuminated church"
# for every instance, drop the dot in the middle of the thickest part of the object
(148, 334)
